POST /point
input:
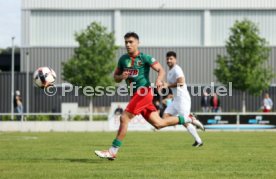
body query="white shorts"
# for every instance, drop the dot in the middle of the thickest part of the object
(182, 108)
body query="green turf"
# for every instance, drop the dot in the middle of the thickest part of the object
(143, 155)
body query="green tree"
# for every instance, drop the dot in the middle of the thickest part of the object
(244, 64)
(8, 50)
(94, 59)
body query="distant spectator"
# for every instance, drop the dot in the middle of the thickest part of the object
(18, 105)
(166, 101)
(215, 103)
(119, 110)
(205, 102)
(267, 103)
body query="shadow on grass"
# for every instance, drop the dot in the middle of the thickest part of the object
(96, 160)
(73, 160)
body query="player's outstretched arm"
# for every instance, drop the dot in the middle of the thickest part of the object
(161, 74)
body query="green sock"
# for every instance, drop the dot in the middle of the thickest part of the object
(116, 143)
(181, 120)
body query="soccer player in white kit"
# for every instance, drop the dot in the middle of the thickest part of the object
(181, 104)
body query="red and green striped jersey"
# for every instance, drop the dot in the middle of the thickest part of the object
(138, 68)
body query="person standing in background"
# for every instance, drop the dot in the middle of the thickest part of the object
(205, 102)
(215, 103)
(267, 103)
(18, 105)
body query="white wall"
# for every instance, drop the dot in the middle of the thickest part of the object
(160, 23)
(155, 28)
(221, 21)
(50, 126)
(80, 126)
(57, 28)
(164, 28)
(148, 4)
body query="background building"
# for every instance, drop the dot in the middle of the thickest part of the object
(196, 30)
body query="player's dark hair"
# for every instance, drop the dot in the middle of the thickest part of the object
(131, 34)
(171, 53)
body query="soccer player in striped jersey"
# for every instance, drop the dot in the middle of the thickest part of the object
(134, 68)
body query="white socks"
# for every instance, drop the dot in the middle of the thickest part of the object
(192, 130)
(187, 119)
(113, 149)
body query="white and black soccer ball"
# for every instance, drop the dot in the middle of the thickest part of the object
(44, 77)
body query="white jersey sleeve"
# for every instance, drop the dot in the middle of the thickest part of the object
(178, 72)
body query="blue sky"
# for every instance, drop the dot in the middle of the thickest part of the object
(9, 22)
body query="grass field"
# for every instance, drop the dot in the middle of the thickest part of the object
(143, 155)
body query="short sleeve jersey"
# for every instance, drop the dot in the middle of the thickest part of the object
(173, 74)
(138, 68)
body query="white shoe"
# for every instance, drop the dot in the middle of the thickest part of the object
(105, 154)
(196, 122)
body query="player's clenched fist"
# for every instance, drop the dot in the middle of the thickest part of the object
(159, 84)
(125, 75)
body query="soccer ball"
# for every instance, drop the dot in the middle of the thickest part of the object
(44, 77)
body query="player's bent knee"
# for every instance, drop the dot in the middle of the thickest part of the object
(155, 126)
(159, 125)
(156, 121)
(125, 118)
(166, 115)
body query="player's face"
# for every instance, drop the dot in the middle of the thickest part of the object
(131, 44)
(171, 61)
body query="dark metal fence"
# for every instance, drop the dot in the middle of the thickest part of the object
(40, 102)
